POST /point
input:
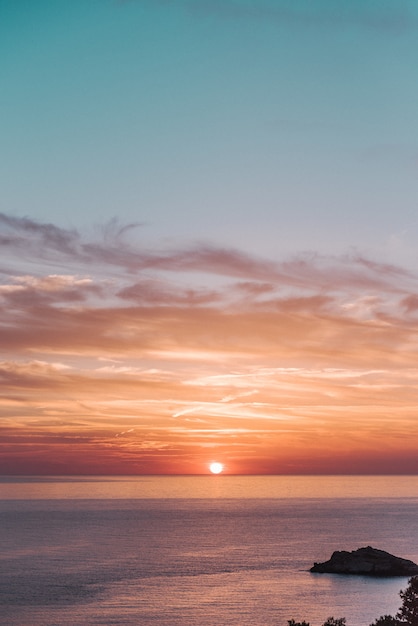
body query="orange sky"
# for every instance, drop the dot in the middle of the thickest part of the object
(118, 358)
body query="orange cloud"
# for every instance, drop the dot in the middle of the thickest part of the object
(147, 361)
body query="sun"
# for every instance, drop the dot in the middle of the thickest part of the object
(216, 468)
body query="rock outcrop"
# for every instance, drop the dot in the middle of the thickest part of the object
(366, 562)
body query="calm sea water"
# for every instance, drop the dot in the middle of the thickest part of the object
(197, 551)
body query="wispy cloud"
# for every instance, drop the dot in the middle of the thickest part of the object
(46, 243)
(165, 308)
(130, 359)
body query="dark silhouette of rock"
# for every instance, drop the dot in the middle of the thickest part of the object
(366, 562)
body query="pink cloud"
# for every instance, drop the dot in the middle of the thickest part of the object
(48, 243)
(203, 346)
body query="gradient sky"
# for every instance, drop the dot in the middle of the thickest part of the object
(208, 228)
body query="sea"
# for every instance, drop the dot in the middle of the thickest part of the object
(198, 550)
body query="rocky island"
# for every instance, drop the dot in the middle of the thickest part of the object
(366, 562)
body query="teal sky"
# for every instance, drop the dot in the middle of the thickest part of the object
(263, 312)
(275, 127)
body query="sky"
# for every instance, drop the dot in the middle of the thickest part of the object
(208, 235)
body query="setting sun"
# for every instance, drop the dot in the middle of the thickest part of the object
(216, 468)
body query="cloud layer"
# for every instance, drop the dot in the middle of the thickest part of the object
(119, 357)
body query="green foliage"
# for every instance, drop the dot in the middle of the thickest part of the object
(386, 620)
(408, 613)
(331, 621)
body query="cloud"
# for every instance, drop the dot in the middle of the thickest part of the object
(304, 355)
(110, 253)
(46, 242)
(21, 231)
(410, 303)
(308, 304)
(153, 292)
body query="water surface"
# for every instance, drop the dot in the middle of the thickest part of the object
(197, 551)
